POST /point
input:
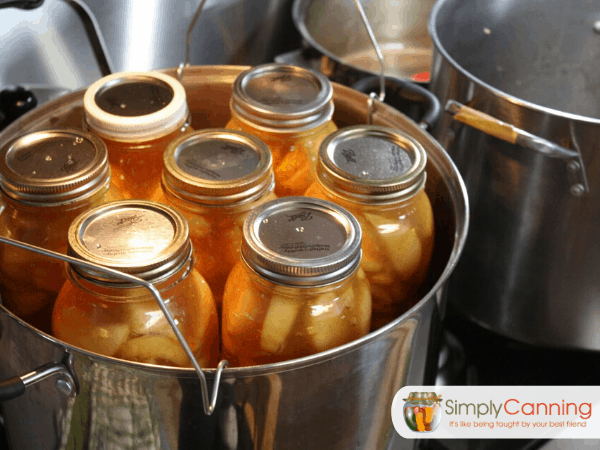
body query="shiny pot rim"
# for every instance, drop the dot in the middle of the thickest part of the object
(226, 75)
(503, 96)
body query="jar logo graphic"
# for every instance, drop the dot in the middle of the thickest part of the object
(422, 411)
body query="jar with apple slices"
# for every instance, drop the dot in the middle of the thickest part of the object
(378, 174)
(215, 177)
(298, 288)
(290, 109)
(106, 315)
(47, 178)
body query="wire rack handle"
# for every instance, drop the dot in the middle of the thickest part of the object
(209, 405)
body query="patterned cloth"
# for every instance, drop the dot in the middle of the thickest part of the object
(111, 412)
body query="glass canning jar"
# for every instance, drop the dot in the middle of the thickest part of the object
(298, 288)
(137, 114)
(379, 175)
(290, 109)
(112, 317)
(47, 178)
(215, 177)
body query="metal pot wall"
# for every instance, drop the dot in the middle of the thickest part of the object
(338, 399)
(531, 263)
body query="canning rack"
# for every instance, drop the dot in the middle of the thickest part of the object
(66, 382)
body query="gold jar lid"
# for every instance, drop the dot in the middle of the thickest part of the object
(218, 167)
(372, 164)
(135, 106)
(53, 167)
(302, 241)
(142, 238)
(282, 99)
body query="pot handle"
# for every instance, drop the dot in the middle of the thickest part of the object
(15, 386)
(513, 135)
(400, 90)
(21, 4)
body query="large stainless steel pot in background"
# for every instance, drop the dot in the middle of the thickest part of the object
(339, 399)
(335, 29)
(50, 46)
(531, 267)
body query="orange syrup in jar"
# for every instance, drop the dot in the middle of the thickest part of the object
(137, 114)
(47, 179)
(215, 177)
(298, 288)
(107, 315)
(290, 109)
(378, 174)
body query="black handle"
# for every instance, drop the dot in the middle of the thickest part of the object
(11, 388)
(21, 4)
(415, 101)
(14, 103)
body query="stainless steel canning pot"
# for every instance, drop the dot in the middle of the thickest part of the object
(335, 29)
(531, 265)
(339, 399)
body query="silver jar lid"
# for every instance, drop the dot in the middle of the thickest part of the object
(280, 98)
(302, 241)
(374, 164)
(218, 167)
(142, 238)
(53, 167)
(135, 106)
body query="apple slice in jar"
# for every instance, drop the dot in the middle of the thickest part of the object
(325, 323)
(104, 339)
(278, 324)
(242, 312)
(401, 242)
(153, 349)
(361, 293)
(372, 254)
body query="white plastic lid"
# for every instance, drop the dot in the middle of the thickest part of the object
(135, 106)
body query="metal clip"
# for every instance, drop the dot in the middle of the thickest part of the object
(188, 42)
(373, 97)
(209, 406)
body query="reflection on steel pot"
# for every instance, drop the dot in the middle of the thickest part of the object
(335, 29)
(340, 398)
(523, 125)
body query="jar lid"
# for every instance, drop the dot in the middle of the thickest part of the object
(53, 167)
(423, 398)
(302, 241)
(135, 106)
(218, 167)
(280, 98)
(373, 164)
(142, 238)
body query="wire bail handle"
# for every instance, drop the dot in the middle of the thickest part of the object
(209, 405)
(188, 42)
(373, 97)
